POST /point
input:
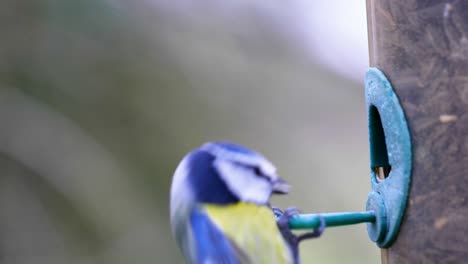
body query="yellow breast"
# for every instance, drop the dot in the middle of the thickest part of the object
(253, 229)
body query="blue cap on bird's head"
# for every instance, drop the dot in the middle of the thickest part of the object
(223, 173)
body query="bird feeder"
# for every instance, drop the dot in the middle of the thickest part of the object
(417, 105)
(422, 48)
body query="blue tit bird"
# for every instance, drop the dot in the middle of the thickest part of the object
(220, 209)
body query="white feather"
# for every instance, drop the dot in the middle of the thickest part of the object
(243, 182)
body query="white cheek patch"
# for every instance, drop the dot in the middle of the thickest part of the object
(270, 170)
(243, 182)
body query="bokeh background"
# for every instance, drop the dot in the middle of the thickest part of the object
(100, 99)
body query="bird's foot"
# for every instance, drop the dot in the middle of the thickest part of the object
(316, 233)
(282, 219)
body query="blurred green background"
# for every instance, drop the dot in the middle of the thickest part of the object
(100, 99)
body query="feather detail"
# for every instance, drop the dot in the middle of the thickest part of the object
(211, 245)
(253, 229)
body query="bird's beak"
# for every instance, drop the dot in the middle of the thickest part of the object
(280, 186)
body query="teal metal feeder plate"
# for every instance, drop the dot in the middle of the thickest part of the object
(390, 162)
(390, 158)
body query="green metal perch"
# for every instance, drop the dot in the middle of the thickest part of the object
(312, 221)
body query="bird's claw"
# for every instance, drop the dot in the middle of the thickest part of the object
(286, 214)
(282, 220)
(316, 233)
(283, 217)
(277, 212)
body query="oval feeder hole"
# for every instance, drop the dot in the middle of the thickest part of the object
(378, 148)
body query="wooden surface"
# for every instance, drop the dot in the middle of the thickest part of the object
(422, 47)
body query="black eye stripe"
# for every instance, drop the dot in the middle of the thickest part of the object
(256, 169)
(247, 166)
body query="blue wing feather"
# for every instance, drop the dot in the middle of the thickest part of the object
(212, 246)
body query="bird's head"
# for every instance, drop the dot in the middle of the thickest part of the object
(223, 173)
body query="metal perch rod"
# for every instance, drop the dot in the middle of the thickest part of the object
(312, 221)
